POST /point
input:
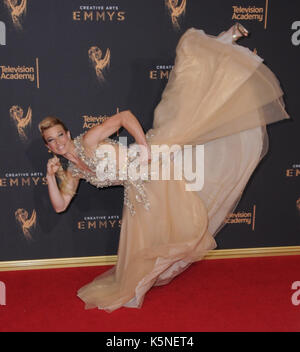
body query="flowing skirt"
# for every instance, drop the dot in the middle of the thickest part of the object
(219, 95)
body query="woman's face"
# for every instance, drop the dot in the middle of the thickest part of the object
(57, 139)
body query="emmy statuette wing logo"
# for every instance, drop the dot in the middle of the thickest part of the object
(99, 62)
(176, 9)
(17, 9)
(17, 114)
(26, 223)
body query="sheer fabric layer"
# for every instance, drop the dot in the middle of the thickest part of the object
(220, 95)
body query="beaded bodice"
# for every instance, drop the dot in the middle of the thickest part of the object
(104, 170)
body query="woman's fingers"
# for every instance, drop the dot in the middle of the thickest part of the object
(53, 165)
(53, 161)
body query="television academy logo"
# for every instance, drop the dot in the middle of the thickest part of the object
(17, 11)
(251, 12)
(295, 38)
(21, 73)
(21, 121)
(90, 121)
(176, 10)
(242, 218)
(293, 171)
(99, 62)
(26, 223)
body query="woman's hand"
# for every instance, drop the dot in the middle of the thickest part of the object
(53, 166)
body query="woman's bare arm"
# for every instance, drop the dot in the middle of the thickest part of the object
(123, 119)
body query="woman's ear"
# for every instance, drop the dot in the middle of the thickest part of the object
(69, 134)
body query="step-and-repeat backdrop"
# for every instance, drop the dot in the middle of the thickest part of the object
(83, 61)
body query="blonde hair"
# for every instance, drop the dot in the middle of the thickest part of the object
(64, 185)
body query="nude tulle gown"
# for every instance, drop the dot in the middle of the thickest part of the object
(221, 95)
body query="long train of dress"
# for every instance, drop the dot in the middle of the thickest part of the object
(219, 95)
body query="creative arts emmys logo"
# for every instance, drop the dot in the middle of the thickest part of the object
(99, 62)
(176, 10)
(17, 9)
(26, 223)
(21, 121)
(160, 72)
(99, 13)
(22, 179)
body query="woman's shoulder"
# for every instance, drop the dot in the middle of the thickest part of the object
(80, 137)
(86, 141)
(83, 143)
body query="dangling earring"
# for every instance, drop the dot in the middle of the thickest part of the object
(51, 152)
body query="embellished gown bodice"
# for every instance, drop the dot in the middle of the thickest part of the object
(108, 166)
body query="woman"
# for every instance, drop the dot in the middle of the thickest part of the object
(219, 95)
